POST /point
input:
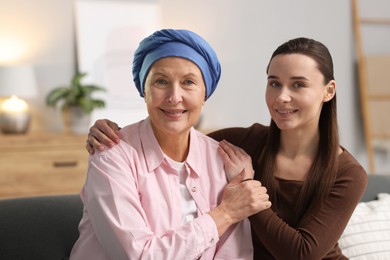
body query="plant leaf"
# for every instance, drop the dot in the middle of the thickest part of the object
(76, 94)
(77, 79)
(56, 95)
(89, 105)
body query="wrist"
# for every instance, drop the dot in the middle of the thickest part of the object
(250, 175)
(222, 219)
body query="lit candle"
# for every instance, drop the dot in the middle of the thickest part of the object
(14, 105)
(15, 116)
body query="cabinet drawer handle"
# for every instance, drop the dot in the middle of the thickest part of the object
(65, 164)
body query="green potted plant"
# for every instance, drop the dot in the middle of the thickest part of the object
(77, 103)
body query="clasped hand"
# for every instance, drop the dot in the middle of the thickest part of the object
(241, 198)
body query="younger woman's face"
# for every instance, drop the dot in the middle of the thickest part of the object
(296, 92)
(174, 95)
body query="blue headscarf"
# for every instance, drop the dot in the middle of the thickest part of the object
(176, 43)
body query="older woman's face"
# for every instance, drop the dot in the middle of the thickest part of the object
(174, 95)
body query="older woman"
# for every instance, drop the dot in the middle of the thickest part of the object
(162, 192)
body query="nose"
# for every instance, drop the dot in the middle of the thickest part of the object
(283, 96)
(175, 94)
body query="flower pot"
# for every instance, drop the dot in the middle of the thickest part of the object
(76, 121)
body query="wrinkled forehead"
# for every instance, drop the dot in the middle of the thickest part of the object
(175, 67)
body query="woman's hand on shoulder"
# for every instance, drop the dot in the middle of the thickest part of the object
(235, 160)
(103, 133)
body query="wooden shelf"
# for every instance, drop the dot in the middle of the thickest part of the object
(42, 164)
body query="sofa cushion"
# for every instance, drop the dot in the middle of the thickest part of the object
(367, 235)
(39, 227)
(376, 184)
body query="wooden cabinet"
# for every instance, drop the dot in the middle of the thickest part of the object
(42, 164)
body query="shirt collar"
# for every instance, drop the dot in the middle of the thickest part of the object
(152, 152)
(154, 156)
(196, 153)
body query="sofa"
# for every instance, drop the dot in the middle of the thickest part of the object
(47, 227)
(367, 235)
(39, 228)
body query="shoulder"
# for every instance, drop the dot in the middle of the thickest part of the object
(252, 139)
(240, 133)
(349, 165)
(203, 140)
(204, 158)
(130, 131)
(351, 171)
(127, 144)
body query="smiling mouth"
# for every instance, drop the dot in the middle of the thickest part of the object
(173, 112)
(286, 112)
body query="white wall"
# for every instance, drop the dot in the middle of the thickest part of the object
(44, 30)
(244, 35)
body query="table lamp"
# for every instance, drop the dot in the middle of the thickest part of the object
(16, 82)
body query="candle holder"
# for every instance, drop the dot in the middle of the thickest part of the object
(14, 116)
(16, 81)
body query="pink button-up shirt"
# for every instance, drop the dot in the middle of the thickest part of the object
(132, 203)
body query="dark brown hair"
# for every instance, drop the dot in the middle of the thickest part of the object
(322, 174)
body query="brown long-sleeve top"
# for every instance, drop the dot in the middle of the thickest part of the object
(315, 237)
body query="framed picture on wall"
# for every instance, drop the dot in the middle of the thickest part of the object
(107, 35)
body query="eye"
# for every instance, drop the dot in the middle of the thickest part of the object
(160, 82)
(298, 84)
(188, 83)
(274, 84)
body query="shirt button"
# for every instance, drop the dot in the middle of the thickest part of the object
(193, 189)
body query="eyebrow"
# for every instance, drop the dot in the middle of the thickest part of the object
(164, 73)
(293, 78)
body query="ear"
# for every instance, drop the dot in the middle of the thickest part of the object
(330, 91)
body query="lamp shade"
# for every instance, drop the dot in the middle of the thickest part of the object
(18, 80)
